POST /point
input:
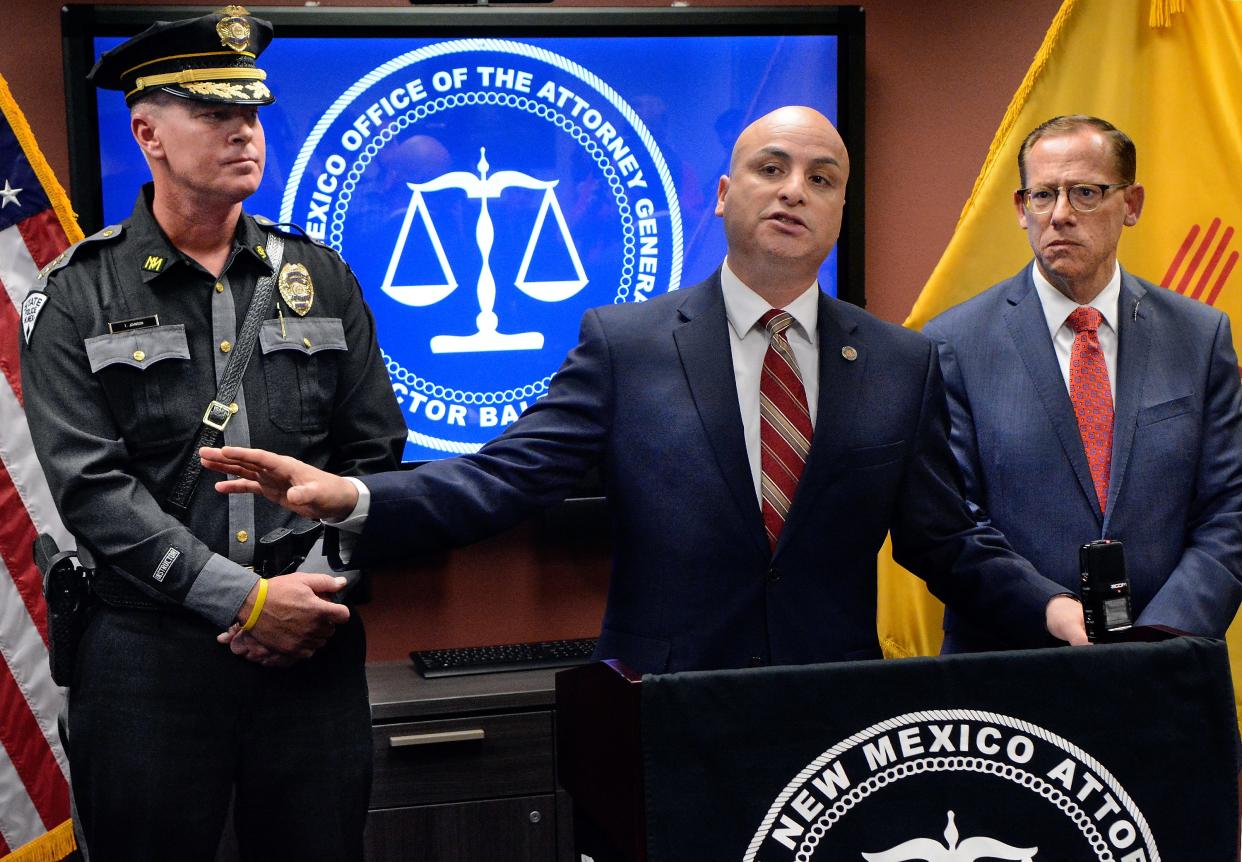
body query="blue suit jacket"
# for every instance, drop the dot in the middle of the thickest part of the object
(1175, 490)
(648, 395)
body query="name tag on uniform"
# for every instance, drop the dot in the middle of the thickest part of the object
(135, 323)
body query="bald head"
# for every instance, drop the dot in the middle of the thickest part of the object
(782, 201)
(792, 117)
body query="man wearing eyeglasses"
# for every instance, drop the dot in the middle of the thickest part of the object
(1088, 403)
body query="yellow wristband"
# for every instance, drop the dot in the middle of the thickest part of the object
(258, 606)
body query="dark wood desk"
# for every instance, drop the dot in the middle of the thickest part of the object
(465, 768)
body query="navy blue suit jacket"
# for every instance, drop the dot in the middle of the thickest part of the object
(648, 396)
(1175, 490)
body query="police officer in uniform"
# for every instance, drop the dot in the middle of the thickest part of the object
(128, 339)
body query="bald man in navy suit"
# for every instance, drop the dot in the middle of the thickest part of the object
(719, 562)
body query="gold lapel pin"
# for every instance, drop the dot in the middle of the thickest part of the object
(849, 353)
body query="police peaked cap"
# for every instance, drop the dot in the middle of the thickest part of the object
(209, 59)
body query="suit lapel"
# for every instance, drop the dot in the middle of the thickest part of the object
(702, 339)
(1133, 348)
(1024, 318)
(840, 389)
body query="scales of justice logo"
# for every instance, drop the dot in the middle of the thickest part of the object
(486, 193)
(954, 785)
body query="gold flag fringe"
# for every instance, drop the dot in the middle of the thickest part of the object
(25, 137)
(1162, 12)
(50, 847)
(1018, 102)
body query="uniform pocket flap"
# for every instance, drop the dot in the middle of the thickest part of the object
(306, 335)
(138, 348)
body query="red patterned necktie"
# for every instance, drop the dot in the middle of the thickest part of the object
(1092, 396)
(784, 425)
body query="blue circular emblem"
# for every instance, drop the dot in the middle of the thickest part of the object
(485, 192)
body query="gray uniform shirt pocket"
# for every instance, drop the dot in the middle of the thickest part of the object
(145, 374)
(301, 363)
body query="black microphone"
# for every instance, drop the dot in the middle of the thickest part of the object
(1105, 590)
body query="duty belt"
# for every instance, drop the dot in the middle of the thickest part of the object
(116, 591)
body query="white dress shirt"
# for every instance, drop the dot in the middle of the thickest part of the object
(748, 341)
(1057, 307)
(356, 519)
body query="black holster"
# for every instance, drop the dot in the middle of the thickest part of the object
(282, 550)
(67, 589)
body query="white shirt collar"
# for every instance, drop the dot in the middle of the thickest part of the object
(1057, 306)
(744, 307)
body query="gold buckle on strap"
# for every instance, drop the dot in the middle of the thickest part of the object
(217, 415)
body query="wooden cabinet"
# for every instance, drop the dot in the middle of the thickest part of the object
(465, 768)
(481, 757)
(521, 829)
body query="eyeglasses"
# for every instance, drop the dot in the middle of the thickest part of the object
(1083, 197)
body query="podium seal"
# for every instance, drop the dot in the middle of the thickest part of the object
(956, 785)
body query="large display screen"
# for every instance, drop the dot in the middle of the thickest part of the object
(489, 174)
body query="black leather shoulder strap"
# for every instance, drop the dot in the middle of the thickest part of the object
(217, 415)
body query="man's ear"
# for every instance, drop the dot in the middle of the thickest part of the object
(1135, 196)
(146, 132)
(721, 189)
(1019, 205)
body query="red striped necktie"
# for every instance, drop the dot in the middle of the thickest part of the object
(1092, 396)
(784, 425)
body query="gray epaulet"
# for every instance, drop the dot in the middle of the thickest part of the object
(36, 297)
(111, 232)
(294, 230)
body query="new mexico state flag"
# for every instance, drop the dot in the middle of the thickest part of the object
(1169, 74)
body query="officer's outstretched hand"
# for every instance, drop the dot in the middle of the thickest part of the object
(287, 482)
(294, 620)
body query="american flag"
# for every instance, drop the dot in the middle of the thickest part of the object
(36, 224)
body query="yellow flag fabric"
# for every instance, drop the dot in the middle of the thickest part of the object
(1168, 73)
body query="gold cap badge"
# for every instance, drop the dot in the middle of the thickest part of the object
(296, 288)
(233, 28)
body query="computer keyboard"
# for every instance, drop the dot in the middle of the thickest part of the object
(461, 661)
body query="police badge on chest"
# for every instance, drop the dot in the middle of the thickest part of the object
(297, 288)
